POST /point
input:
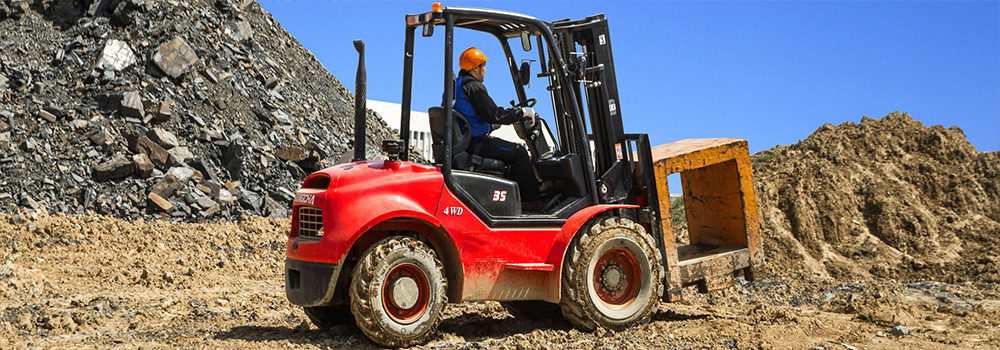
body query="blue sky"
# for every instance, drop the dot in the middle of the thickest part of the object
(770, 72)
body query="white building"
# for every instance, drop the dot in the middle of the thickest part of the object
(420, 127)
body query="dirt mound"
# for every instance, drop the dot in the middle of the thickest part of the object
(885, 197)
(101, 99)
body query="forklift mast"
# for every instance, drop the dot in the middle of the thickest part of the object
(586, 43)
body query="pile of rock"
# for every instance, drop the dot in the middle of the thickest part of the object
(193, 110)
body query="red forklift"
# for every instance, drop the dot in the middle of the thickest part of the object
(387, 243)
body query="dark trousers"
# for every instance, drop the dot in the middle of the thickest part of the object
(514, 155)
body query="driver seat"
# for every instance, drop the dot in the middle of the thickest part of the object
(463, 159)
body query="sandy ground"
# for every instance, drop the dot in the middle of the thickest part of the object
(98, 282)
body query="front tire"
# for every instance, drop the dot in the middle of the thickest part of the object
(398, 292)
(612, 276)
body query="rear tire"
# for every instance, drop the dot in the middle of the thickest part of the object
(326, 317)
(398, 292)
(612, 276)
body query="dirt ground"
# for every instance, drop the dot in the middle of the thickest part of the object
(98, 282)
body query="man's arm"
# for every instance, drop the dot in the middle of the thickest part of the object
(481, 101)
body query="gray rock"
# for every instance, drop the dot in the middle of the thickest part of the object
(281, 117)
(163, 138)
(275, 209)
(205, 202)
(160, 112)
(251, 201)
(198, 120)
(183, 174)
(214, 189)
(291, 153)
(233, 160)
(241, 31)
(209, 75)
(160, 202)
(29, 144)
(181, 154)
(900, 331)
(295, 170)
(143, 166)
(160, 157)
(131, 105)
(175, 57)
(210, 211)
(28, 201)
(98, 7)
(47, 116)
(78, 124)
(227, 197)
(114, 169)
(102, 139)
(117, 55)
(167, 186)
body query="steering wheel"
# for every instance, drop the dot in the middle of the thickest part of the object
(527, 103)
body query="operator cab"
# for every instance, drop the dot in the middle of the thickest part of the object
(563, 155)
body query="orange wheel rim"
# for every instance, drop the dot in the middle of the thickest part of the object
(617, 278)
(405, 293)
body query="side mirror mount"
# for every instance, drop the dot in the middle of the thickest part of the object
(524, 73)
(525, 41)
(428, 29)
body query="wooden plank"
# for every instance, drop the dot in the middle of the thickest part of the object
(693, 254)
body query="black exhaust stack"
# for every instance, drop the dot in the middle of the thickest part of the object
(360, 107)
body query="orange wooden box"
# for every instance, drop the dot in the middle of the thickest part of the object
(721, 209)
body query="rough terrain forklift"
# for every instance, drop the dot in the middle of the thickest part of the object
(387, 243)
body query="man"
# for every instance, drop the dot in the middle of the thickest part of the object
(474, 102)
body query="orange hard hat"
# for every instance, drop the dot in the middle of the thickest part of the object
(471, 58)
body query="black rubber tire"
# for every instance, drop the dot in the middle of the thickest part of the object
(380, 322)
(326, 317)
(582, 305)
(534, 310)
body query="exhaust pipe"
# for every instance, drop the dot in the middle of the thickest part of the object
(360, 107)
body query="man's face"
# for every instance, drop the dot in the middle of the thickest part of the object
(479, 72)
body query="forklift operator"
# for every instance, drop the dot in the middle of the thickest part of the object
(478, 107)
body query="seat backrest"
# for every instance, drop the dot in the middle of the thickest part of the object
(461, 137)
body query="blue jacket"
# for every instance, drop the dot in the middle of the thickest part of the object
(475, 103)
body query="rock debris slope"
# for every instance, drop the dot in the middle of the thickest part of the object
(191, 110)
(885, 197)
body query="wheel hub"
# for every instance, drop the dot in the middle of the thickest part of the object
(617, 278)
(405, 292)
(613, 277)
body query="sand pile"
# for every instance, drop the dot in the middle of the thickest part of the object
(885, 197)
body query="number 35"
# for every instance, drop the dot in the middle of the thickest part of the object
(499, 196)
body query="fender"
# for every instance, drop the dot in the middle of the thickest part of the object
(367, 193)
(566, 235)
(410, 215)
